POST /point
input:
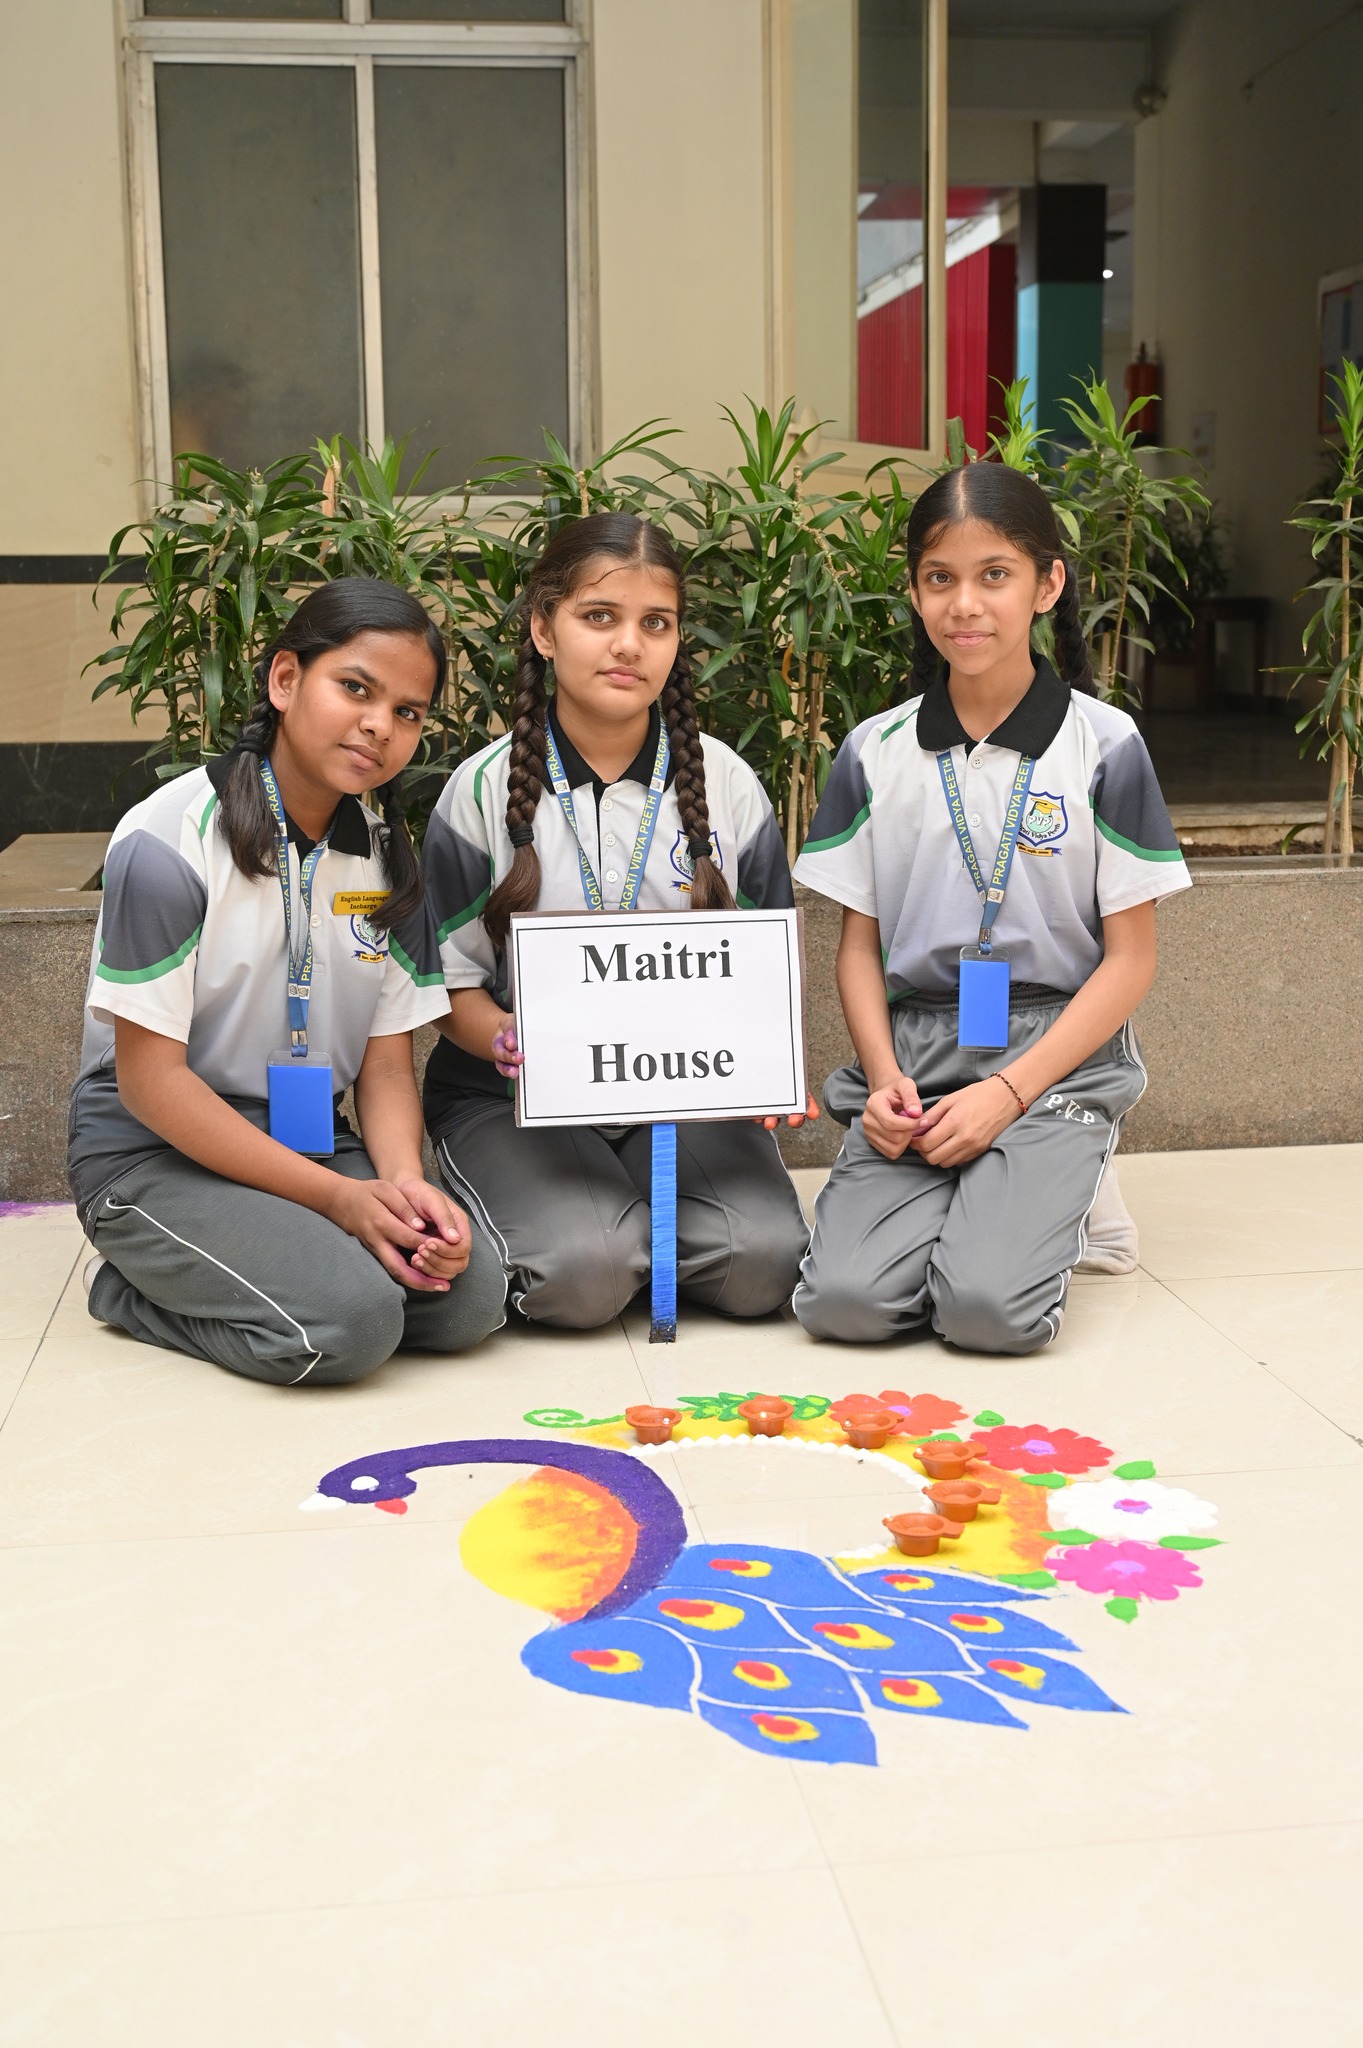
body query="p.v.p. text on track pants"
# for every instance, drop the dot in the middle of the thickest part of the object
(983, 1252)
(267, 1288)
(571, 1209)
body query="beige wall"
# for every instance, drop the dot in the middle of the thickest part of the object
(1243, 204)
(68, 456)
(681, 215)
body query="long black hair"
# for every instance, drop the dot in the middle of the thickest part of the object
(563, 566)
(328, 617)
(1016, 507)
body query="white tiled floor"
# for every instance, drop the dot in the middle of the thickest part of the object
(280, 1779)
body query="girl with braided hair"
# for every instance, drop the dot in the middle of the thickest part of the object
(264, 944)
(988, 998)
(604, 704)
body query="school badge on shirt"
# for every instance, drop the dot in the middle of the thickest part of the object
(1043, 822)
(683, 863)
(371, 942)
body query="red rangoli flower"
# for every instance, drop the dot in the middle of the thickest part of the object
(919, 1414)
(1140, 1571)
(1034, 1448)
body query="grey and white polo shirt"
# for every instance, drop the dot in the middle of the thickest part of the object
(189, 947)
(1096, 837)
(467, 852)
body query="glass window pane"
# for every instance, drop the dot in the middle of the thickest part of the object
(260, 233)
(245, 10)
(473, 261)
(468, 10)
(890, 296)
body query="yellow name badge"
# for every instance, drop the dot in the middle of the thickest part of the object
(358, 902)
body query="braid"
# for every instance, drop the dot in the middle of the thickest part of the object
(519, 889)
(709, 890)
(928, 666)
(1071, 648)
(400, 864)
(244, 815)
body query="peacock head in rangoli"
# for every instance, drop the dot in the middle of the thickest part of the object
(790, 1653)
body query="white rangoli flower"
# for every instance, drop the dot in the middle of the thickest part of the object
(1141, 1509)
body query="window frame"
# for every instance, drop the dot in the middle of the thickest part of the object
(356, 44)
(858, 456)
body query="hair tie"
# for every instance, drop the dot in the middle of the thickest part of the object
(522, 835)
(701, 849)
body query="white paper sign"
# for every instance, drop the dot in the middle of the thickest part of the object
(658, 1016)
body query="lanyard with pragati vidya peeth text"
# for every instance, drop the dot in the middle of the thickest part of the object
(662, 1328)
(994, 890)
(634, 874)
(300, 959)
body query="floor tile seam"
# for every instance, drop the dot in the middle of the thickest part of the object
(43, 1334)
(870, 1968)
(1260, 1364)
(817, 1867)
(1167, 1279)
(947, 1852)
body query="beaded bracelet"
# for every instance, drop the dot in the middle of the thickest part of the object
(997, 1076)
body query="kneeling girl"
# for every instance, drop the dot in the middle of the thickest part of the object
(604, 792)
(963, 1188)
(255, 910)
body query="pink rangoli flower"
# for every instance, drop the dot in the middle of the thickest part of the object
(1034, 1448)
(1140, 1571)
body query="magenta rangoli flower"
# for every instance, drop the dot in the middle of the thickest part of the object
(1139, 1571)
(1034, 1448)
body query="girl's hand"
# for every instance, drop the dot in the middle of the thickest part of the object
(963, 1125)
(507, 1056)
(444, 1251)
(769, 1123)
(387, 1223)
(892, 1116)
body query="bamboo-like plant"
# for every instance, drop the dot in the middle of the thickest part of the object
(1332, 641)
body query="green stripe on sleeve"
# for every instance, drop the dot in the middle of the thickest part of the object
(466, 916)
(207, 812)
(434, 980)
(153, 973)
(840, 838)
(1130, 846)
(486, 762)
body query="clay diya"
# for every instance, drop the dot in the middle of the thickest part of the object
(961, 1498)
(869, 1428)
(765, 1415)
(653, 1425)
(919, 1535)
(947, 1460)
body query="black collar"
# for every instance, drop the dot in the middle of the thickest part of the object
(1028, 729)
(640, 768)
(349, 828)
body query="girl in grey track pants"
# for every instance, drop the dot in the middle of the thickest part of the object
(988, 994)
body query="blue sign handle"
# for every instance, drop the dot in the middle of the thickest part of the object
(663, 1320)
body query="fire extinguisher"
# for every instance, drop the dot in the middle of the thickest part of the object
(1143, 380)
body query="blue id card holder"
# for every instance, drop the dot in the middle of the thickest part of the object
(983, 1017)
(301, 1112)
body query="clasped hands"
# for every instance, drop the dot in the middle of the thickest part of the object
(954, 1131)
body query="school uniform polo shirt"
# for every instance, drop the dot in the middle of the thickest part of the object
(189, 947)
(1095, 836)
(467, 852)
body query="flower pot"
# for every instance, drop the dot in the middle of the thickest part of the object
(869, 1428)
(919, 1535)
(765, 1415)
(948, 1461)
(653, 1425)
(961, 1498)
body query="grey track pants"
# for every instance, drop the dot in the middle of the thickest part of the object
(571, 1210)
(985, 1251)
(266, 1288)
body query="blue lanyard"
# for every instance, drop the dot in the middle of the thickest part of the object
(634, 874)
(992, 892)
(300, 959)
